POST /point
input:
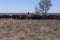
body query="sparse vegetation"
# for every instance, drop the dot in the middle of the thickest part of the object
(13, 29)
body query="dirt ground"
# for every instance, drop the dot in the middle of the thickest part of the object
(11, 29)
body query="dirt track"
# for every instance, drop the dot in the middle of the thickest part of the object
(11, 29)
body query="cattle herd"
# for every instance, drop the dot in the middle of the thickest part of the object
(29, 16)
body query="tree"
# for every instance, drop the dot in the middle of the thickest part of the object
(44, 6)
(36, 8)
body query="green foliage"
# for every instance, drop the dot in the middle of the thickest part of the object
(44, 6)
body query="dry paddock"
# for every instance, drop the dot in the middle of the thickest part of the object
(28, 29)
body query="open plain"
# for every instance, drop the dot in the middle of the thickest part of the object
(28, 29)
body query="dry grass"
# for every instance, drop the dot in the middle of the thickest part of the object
(11, 29)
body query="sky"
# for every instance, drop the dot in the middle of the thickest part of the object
(21, 6)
